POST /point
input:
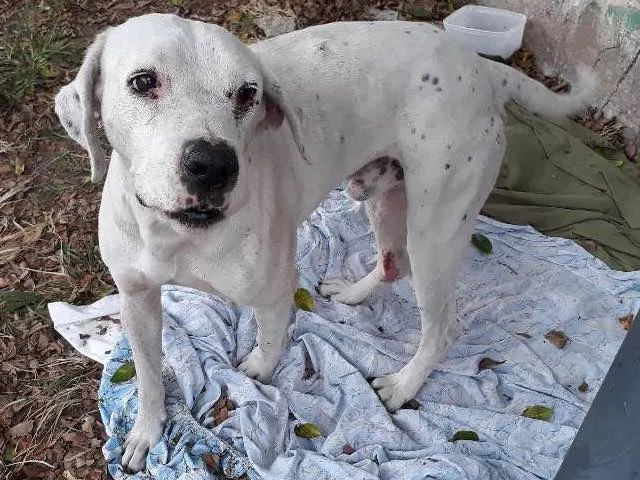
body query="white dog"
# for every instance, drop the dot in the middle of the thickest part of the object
(220, 150)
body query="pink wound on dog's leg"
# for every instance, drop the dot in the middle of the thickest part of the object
(389, 265)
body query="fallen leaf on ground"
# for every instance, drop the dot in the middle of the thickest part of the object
(212, 462)
(220, 410)
(538, 412)
(306, 430)
(465, 435)
(557, 337)
(348, 449)
(487, 362)
(124, 373)
(21, 429)
(303, 299)
(482, 243)
(584, 386)
(626, 321)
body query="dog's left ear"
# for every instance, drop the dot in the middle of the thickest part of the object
(277, 108)
(77, 105)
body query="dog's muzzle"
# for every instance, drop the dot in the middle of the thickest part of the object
(208, 170)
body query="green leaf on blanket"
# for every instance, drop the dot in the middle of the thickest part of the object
(306, 430)
(303, 299)
(482, 243)
(538, 412)
(465, 435)
(124, 373)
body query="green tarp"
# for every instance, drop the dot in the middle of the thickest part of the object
(565, 181)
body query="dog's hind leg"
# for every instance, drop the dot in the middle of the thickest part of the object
(387, 210)
(443, 201)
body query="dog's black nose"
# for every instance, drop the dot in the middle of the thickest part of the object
(208, 167)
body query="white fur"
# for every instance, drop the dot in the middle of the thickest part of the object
(349, 93)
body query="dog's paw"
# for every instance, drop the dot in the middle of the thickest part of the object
(344, 292)
(145, 434)
(259, 365)
(394, 390)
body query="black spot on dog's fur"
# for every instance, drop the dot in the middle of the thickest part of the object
(69, 124)
(341, 138)
(407, 32)
(395, 163)
(76, 97)
(464, 217)
(438, 89)
(425, 77)
(317, 96)
(322, 47)
(486, 130)
(423, 136)
(469, 158)
(493, 120)
(475, 70)
(459, 78)
(473, 89)
(504, 82)
(382, 170)
(447, 166)
(448, 147)
(413, 130)
(400, 174)
(435, 80)
(519, 86)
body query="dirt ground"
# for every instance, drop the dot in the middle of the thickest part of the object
(49, 422)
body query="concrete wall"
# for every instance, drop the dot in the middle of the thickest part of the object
(602, 33)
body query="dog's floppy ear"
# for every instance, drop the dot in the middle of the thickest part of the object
(77, 107)
(277, 108)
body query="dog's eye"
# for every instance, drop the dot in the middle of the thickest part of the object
(143, 82)
(246, 93)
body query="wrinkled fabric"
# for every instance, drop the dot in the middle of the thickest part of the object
(565, 181)
(507, 301)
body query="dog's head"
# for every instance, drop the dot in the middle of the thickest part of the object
(179, 101)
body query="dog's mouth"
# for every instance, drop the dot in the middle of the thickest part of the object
(196, 217)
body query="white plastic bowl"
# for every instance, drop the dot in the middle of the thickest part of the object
(486, 30)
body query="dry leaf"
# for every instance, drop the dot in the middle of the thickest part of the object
(212, 462)
(487, 362)
(21, 429)
(557, 337)
(626, 321)
(347, 449)
(584, 386)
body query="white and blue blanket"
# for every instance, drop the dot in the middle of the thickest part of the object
(507, 301)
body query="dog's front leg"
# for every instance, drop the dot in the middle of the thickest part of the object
(272, 322)
(141, 315)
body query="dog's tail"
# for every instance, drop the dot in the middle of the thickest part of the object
(510, 84)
